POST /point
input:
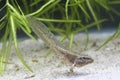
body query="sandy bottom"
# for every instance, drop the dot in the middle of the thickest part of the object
(106, 65)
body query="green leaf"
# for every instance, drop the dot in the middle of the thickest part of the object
(93, 13)
(115, 35)
(40, 9)
(2, 25)
(66, 9)
(1, 64)
(89, 26)
(71, 40)
(57, 20)
(8, 50)
(22, 59)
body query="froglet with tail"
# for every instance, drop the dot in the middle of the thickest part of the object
(47, 36)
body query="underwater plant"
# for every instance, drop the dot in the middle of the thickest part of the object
(66, 18)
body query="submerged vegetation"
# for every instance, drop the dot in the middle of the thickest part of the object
(64, 17)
